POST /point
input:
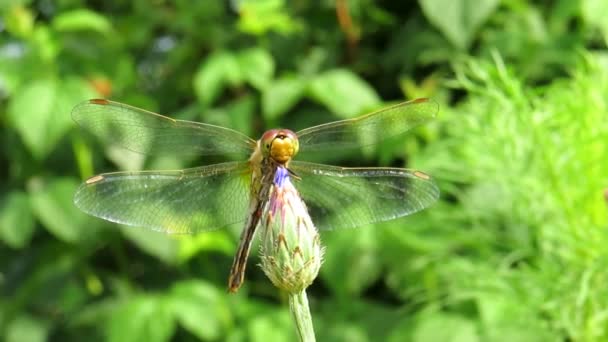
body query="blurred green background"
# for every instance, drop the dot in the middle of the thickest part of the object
(515, 250)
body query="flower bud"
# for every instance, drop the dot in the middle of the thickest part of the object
(291, 246)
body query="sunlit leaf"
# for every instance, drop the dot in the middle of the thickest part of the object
(40, 111)
(162, 246)
(20, 21)
(237, 114)
(281, 95)
(27, 328)
(257, 66)
(80, 20)
(344, 93)
(143, 318)
(260, 16)
(51, 201)
(437, 327)
(217, 71)
(593, 11)
(216, 241)
(16, 219)
(503, 317)
(351, 264)
(458, 20)
(31, 110)
(271, 326)
(201, 309)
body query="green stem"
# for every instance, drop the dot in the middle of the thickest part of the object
(298, 305)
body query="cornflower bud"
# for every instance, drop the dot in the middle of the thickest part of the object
(291, 246)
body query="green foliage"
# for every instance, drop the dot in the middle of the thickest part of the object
(514, 250)
(458, 20)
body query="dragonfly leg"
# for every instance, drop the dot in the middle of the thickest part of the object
(237, 272)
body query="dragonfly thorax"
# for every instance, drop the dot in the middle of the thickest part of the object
(279, 144)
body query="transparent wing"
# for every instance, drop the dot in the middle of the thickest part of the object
(181, 201)
(145, 132)
(369, 129)
(339, 197)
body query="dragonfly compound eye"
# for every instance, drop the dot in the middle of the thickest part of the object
(284, 146)
(266, 140)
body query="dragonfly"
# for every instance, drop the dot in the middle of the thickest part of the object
(209, 197)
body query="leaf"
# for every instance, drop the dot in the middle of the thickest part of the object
(216, 241)
(358, 251)
(257, 67)
(41, 111)
(51, 201)
(201, 309)
(81, 20)
(260, 16)
(30, 110)
(16, 219)
(594, 12)
(160, 245)
(505, 318)
(27, 328)
(143, 318)
(443, 327)
(10, 75)
(46, 46)
(97, 312)
(237, 114)
(458, 20)
(281, 95)
(271, 326)
(344, 93)
(19, 21)
(218, 70)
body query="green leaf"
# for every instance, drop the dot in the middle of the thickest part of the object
(81, 20)
(504, 318)
(344, 93)
(10, 75)
(218, 70)
(281, 95)
(201, 309)
(41, 112)
(143, 318)
(358, 251)
(20, 21)
(98, 312)
(27, 328)
(30, 111)
(217, 241)
(5, 5)
(45, 45)
(271, 326)
(160, 245)
(16, 219)
(260, 16)
(237, 114)
(594, 11)
(257, 67)
(443, 327)
(458, 20)
(51, 201)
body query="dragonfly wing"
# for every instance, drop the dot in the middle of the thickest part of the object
(339, 197)
(149, 133)
(182, 201)
(369, 129)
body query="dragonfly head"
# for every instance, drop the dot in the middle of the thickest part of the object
(279, 144)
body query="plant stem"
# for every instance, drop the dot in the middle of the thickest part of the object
(298, 305)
